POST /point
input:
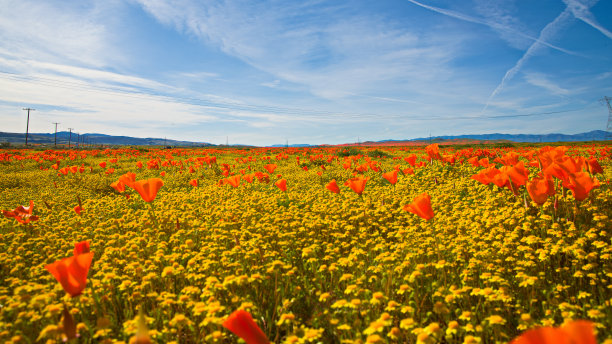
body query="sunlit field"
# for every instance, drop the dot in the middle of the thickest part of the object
(320, 245)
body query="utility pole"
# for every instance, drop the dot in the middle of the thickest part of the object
(69, 137)
(55, 143)
(28, 124)
(609, 125)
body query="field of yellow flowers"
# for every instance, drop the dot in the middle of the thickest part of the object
(320, 245)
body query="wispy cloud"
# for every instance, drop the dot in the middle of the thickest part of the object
(54, 31)
(541, 80)
(328, 48)
(581, 11)
(500, 26)
(548, 32)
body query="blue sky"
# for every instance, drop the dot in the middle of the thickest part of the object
(268, 72)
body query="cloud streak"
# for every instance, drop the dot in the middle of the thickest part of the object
(491, 24)
(549, 31)
(581, 11)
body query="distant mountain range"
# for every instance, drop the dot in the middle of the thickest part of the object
(64, 137)
(595, 135)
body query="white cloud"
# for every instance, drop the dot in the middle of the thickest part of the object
(541, 80)
(580, 9)
(54, 31)
(335, 54)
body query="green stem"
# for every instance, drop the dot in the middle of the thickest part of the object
(153, 215)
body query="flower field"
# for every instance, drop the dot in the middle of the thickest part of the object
(320, 245)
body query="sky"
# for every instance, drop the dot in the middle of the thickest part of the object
(305, 72)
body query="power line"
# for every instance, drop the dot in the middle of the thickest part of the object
(316, 114)
(55, 142)
(28, 124)
(70, 137)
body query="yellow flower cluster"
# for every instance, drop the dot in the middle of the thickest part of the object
(309, 264)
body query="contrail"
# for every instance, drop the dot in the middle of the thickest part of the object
(581, 11)
(549, 30)
(490, 24)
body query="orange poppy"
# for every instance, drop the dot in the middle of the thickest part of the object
(411, 159)
(78, 209)
(248, 178)
(128, 179)
(148, 188)
(433, 152)
(282, 184)
(71, 272)
(357, 184)
(193, 182)
(511, 158)
(234, 180)
(593, 166)
(242, 324)
(270, 168)
(575, 332)
(81, 247)
(486, 176)
(22, 214)
(581, 184)
(333, 186)
(391, 176)
(118, 185)
(421, 206)
(540, 188)
(518, 174)
(102, 164)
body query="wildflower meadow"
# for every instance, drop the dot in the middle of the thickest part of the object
(436, 244)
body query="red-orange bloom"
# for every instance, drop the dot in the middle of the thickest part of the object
(22, 214)
(357, 184)
(270, 168)
(540, 188)
(234, 180)
(118, 185)
(148, 188)
(391, 176)
(433, 151)
(78, 209)
(193, 182)
(594, 166)
(333, 186)
(486, 176)
(518, 174)
(102, 164)
(128, 179)
(411, 159)
(71, 272)
(242, 324)
(421, 206)
(581, 184)
(81, 247)
(282, 184)
(575, 332)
